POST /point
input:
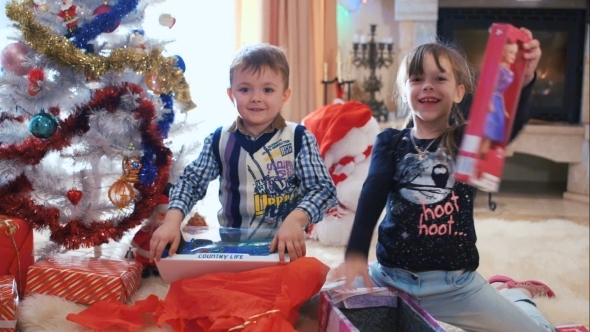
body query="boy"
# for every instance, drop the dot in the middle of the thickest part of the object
(273, 180)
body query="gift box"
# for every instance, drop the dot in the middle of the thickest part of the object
(84, 280)
(16, 249)
(480, 162)
(376, 310)
(204, 250)
(8, 303)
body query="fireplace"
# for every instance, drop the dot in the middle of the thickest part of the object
(558, 91)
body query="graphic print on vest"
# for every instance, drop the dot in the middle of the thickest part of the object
(275, 183)
(429, 183)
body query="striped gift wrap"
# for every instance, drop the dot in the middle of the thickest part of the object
(84, 280)
(8, 303)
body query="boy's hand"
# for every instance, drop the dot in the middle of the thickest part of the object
(290, 236)
(168, 232)
(532, 53)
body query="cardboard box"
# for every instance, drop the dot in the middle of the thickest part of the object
(8, 303)
(84, 280)
(383, 309)
(205, 250)
(16, 249)
(480, 162)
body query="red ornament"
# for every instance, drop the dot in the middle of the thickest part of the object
(103, 9)
(74, 196)
(36, 75)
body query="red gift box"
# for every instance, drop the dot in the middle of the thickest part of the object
(8, 303)
(16, 249)
(480, 162)
(84, 280)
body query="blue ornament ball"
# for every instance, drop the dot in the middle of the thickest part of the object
(180, 63)
(43, 125)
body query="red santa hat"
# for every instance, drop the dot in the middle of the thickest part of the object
(329, 125)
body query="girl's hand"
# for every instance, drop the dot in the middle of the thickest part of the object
(532, 53)
(355, 265)
(290, 236)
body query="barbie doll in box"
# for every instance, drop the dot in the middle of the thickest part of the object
(495, 128)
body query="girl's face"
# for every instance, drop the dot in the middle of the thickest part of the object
(258, 97)
(431, 95)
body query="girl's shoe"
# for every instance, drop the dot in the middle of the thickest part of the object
(536, 288)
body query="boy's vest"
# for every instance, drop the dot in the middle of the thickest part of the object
(258, 186)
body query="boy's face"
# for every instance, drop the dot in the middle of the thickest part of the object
(258, 97)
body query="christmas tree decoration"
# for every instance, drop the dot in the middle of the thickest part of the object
(121, 193)
(103, 9)
(95, 119)
(74, 195)
(166, 20)
(43, 125)
(180, 63)
(13, 57)
(153, 82)
(131, 168)
(36, 76)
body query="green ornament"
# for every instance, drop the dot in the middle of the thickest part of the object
(43, 125)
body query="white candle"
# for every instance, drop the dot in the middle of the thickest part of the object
(325, 71)
(339, 66)
(363, 39)
(355, 38)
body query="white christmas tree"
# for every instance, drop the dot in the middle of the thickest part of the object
(89, 107)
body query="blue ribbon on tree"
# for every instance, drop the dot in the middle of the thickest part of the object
(103, 22)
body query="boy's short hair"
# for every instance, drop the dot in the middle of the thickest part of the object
(255, 57)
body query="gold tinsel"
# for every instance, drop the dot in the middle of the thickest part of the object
(62, 52)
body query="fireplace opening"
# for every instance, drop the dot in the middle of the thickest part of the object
(557, 92)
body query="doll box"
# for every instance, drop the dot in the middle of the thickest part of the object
(571, 328)
(480, 161)
(204, 250)
(381, 309)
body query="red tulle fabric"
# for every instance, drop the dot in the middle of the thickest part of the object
(266, 299)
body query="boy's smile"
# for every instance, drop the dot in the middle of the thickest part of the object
(258, 96)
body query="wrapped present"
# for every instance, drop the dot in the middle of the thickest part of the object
(8, 303)
(377, 309)
(84, 280)
(16, 249)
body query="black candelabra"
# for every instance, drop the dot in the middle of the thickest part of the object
(373, 55)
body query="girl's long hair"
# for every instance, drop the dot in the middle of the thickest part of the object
(412, 64)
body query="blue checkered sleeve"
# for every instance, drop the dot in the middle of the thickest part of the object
(192, 185)
(317, 188)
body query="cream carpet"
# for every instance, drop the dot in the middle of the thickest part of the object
(553, 251)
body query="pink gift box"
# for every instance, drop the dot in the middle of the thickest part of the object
(377, 311)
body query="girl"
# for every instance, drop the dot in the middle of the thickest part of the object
(426, 244)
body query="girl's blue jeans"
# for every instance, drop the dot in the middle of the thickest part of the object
(464, 299)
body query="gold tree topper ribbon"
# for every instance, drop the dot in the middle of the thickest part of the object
(61, 51)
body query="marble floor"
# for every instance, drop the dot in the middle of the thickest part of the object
(532, 206)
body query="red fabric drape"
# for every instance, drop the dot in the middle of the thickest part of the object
(266, 299)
